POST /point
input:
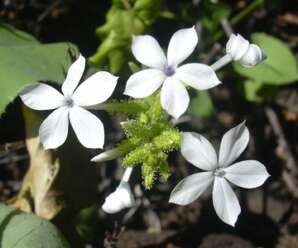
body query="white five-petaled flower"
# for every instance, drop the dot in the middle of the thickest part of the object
(247, 174)
(70, 106)
(166, 72)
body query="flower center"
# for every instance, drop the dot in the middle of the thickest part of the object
(219, 172)
(169, 70)
(68, 102)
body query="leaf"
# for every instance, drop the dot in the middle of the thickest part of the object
(21, 65)
(21, 230)
(279, 68)
(124, 19)
(10, 36)
(201, 105)
(257, 91)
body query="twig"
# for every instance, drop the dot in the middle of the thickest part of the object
(226, 27)
(291, 171)
(48, 10)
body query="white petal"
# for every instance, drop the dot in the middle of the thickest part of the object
(120, 199)
(190, 188)
(225, 201)
(148, 52)
(54, 129)
(144, 83)
(198, 76)
(198, 151)
(181, 45)
(74, 75)
(41, 97)
(96, 89)
(107, 155)
(88, 128)
(174, 97)
(247, 174)
(233, 144)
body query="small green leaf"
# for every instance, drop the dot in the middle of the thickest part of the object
(201, 105)
(258, 91)
(279, 68)
(9, 36)
(21, 230)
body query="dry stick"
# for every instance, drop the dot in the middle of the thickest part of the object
(290, 171)
(48, 10)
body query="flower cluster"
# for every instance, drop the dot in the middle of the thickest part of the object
(165, 72)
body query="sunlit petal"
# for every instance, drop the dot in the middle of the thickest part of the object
(233, 144)
(198, 76)
(198, 151)
(190, 188)
(147, 51)
(96, 89)
(174, 97)
(225, 201)
(41, 97)
(144, 83)
(247, 174)
(74, 75)
(88, 128)
(181, 45)
(54, 129)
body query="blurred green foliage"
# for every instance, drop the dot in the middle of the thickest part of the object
(124, 19)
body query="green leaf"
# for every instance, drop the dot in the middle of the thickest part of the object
(10, 36)
(21, 230)
(257, 91)
(201, 105)
(28, 62)
(278, 69)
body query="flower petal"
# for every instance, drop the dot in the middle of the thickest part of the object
(88, 128)
(147, 51)
(181, 45)
(233, 144)
(144, 83)
(96, 89)
(74, 75)
(120, 199)
(198, 76)
(190, 188)
(174, 97)
(225, 201)
(41, 97)
(198, 151)
(54, 129)
(247, 174)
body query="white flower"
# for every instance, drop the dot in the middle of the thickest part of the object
(247, 174)
(107, 156)
(120, 199)
(241, 50)
(164, 71)
(70, 106)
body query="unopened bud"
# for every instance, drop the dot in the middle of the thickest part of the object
(241, 50)
(120, 199)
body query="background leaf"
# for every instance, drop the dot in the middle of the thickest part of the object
(279, 68)
(201, 105)
(24, 61)
(21, 230)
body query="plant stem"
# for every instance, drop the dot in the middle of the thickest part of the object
(239, 17)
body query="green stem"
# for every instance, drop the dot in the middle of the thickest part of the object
(245, 12)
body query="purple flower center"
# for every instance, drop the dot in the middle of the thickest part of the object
(169, 70)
